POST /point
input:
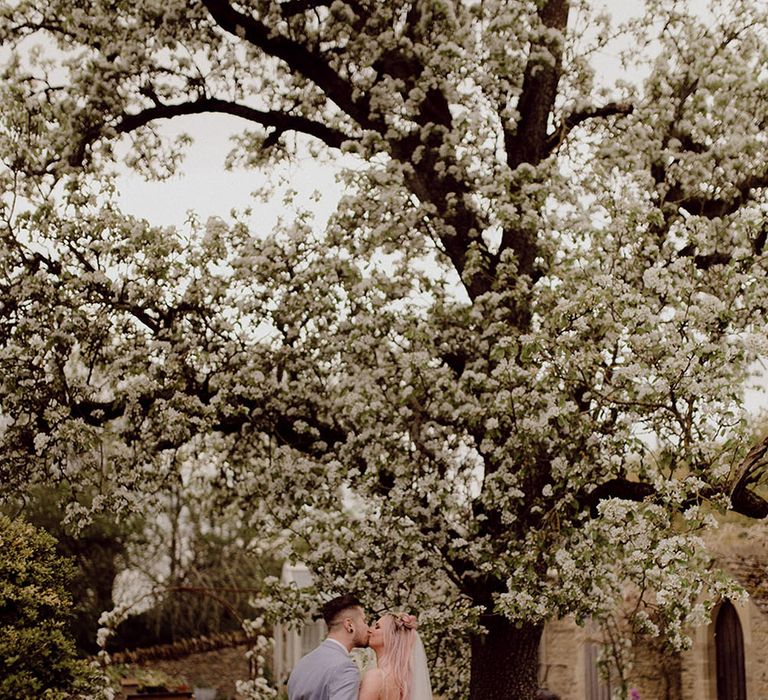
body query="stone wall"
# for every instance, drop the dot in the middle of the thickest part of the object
(758, 656)
(561, 659)
(656, 675)
(567, 666)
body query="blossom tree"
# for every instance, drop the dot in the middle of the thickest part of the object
(501, 385)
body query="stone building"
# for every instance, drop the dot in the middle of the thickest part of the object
(728, 659)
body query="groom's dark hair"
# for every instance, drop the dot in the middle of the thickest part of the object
(338, 605)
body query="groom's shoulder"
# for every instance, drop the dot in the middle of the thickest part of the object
(323, 661)
(328, 654)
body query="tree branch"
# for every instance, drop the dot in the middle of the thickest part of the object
(752, 471)
(255, 416)
(701, 205)
(714, 207)
(280, 121)
(704, 261)
(573, 119)
(291, 8)
(687, 141)
(684, 90)
(439, 185)
(308, 63)
(106, 292)
(618, 488)
(748, 503)
(528, 143)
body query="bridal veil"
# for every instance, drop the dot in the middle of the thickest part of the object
(421, 688)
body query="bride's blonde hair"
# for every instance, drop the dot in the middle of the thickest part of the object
(399, 638)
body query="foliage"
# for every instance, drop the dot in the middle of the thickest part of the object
(98, 552)
(200, 565)
(154, 679)
(199, 559)
(503, 384)
(37, 657)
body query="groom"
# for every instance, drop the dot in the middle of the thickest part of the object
(328, 672)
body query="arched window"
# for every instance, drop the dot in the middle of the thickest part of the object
(729, 654)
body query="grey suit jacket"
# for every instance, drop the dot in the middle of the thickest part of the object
(326, 673)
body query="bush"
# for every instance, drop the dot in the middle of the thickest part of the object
(37, 658)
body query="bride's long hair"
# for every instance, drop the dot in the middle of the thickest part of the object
(399, 638)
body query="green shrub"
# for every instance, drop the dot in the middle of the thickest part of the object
(37, 658)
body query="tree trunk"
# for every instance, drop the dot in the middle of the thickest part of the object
(505, 661)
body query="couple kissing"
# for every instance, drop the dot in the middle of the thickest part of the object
(328, 672)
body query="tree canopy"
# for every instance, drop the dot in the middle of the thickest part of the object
(501, 385)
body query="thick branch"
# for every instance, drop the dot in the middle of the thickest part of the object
(752, 471)
(575, 118)
(434, 178)
(704, 261)
(528, 143)
(684, 90)
(715, 207)
(701, 204)
(748, 503)
(300, 59)
(687, 141)
(465, 225)
(462, 225)
(254, 416)
(280, 121)
(291, 8)
(618, 488)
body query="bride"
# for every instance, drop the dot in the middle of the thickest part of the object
(401, 672)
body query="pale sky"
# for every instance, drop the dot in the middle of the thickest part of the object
(207, 188)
